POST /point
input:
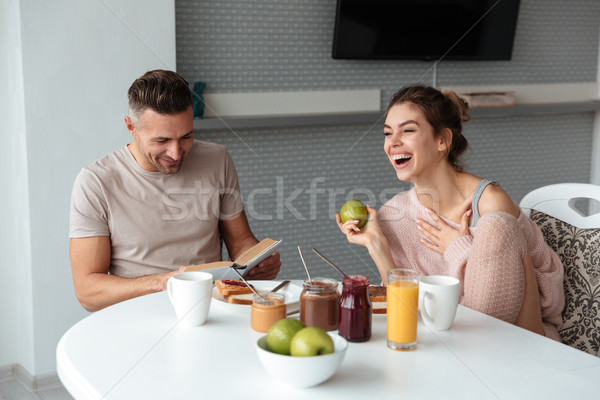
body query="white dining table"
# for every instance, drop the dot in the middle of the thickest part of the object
(136, 350)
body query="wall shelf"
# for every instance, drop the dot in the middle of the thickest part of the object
(289, 120)
(377, 117)
(537, 109)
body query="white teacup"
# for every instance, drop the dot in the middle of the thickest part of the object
(438, 300)
(190, 293)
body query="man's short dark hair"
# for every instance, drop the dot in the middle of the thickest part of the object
(164, 92)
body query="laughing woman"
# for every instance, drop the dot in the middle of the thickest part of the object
(454, 223)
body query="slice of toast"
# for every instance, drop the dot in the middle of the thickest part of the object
(245, 298)
(378, 295)
(229, 287)
(379, 307)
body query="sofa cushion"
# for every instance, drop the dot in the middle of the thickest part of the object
(579, 250)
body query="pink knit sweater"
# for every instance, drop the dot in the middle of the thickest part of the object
(397, 218)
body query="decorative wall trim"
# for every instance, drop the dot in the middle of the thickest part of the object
(30, 382)
(25, 378)
(7, 372)
(47, 381)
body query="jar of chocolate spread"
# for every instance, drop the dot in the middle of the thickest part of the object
(319, 303)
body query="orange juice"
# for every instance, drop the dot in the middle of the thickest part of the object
(402, 306)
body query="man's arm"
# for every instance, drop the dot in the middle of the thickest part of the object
(94, 287)
(238, 238)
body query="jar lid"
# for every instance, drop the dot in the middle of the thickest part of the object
(355, 280)
(320, 283)
(268, 298)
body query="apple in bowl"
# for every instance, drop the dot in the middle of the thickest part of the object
(304, 369)
(311, 341)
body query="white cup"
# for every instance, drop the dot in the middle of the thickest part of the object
(438, 300)
(190, 293)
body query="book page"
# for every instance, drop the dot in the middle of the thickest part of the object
(255, 251)
(250, 258)
(202, 267)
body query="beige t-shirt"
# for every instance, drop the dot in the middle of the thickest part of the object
(157, 222)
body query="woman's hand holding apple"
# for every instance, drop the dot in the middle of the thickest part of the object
(372, 237)
(366, 236)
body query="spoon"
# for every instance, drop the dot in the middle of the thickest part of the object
(329, 262)
(282, 284)
(304, 262)
(243, 280)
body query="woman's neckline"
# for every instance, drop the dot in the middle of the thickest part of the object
(415, 199)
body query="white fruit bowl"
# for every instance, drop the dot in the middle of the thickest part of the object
(302, 371)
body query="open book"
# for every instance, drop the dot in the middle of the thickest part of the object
(246, 261)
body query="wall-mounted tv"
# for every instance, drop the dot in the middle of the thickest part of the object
(425, 29)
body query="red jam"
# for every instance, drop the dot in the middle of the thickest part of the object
(355, 309)
(356, 280)
(233, 283)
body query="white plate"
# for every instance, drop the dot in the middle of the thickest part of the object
(291, 292)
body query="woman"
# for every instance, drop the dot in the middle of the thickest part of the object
(455, 223)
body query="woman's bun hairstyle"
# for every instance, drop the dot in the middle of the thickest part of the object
(461, 105)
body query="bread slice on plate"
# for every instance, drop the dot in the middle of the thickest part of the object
(229, 287)
(245, 298)
(378, 295)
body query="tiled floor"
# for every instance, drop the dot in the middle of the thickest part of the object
(12, 390)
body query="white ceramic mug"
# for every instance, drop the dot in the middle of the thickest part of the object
(438, 300)
(190, 293)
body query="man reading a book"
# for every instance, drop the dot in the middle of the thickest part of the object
(162, 202)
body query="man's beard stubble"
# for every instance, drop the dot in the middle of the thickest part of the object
(161, 168)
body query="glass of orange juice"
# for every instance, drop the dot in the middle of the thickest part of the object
(402, 307)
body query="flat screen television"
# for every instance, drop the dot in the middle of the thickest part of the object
(425, 29)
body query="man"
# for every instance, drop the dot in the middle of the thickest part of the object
(162, 202)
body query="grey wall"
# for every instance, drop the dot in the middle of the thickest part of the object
(275, 45)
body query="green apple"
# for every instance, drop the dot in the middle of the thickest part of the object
(280, 334)
(311, 341)
(354, 209)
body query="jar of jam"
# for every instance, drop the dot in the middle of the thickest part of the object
(267, 310)
(355, 309)
(319, 303)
